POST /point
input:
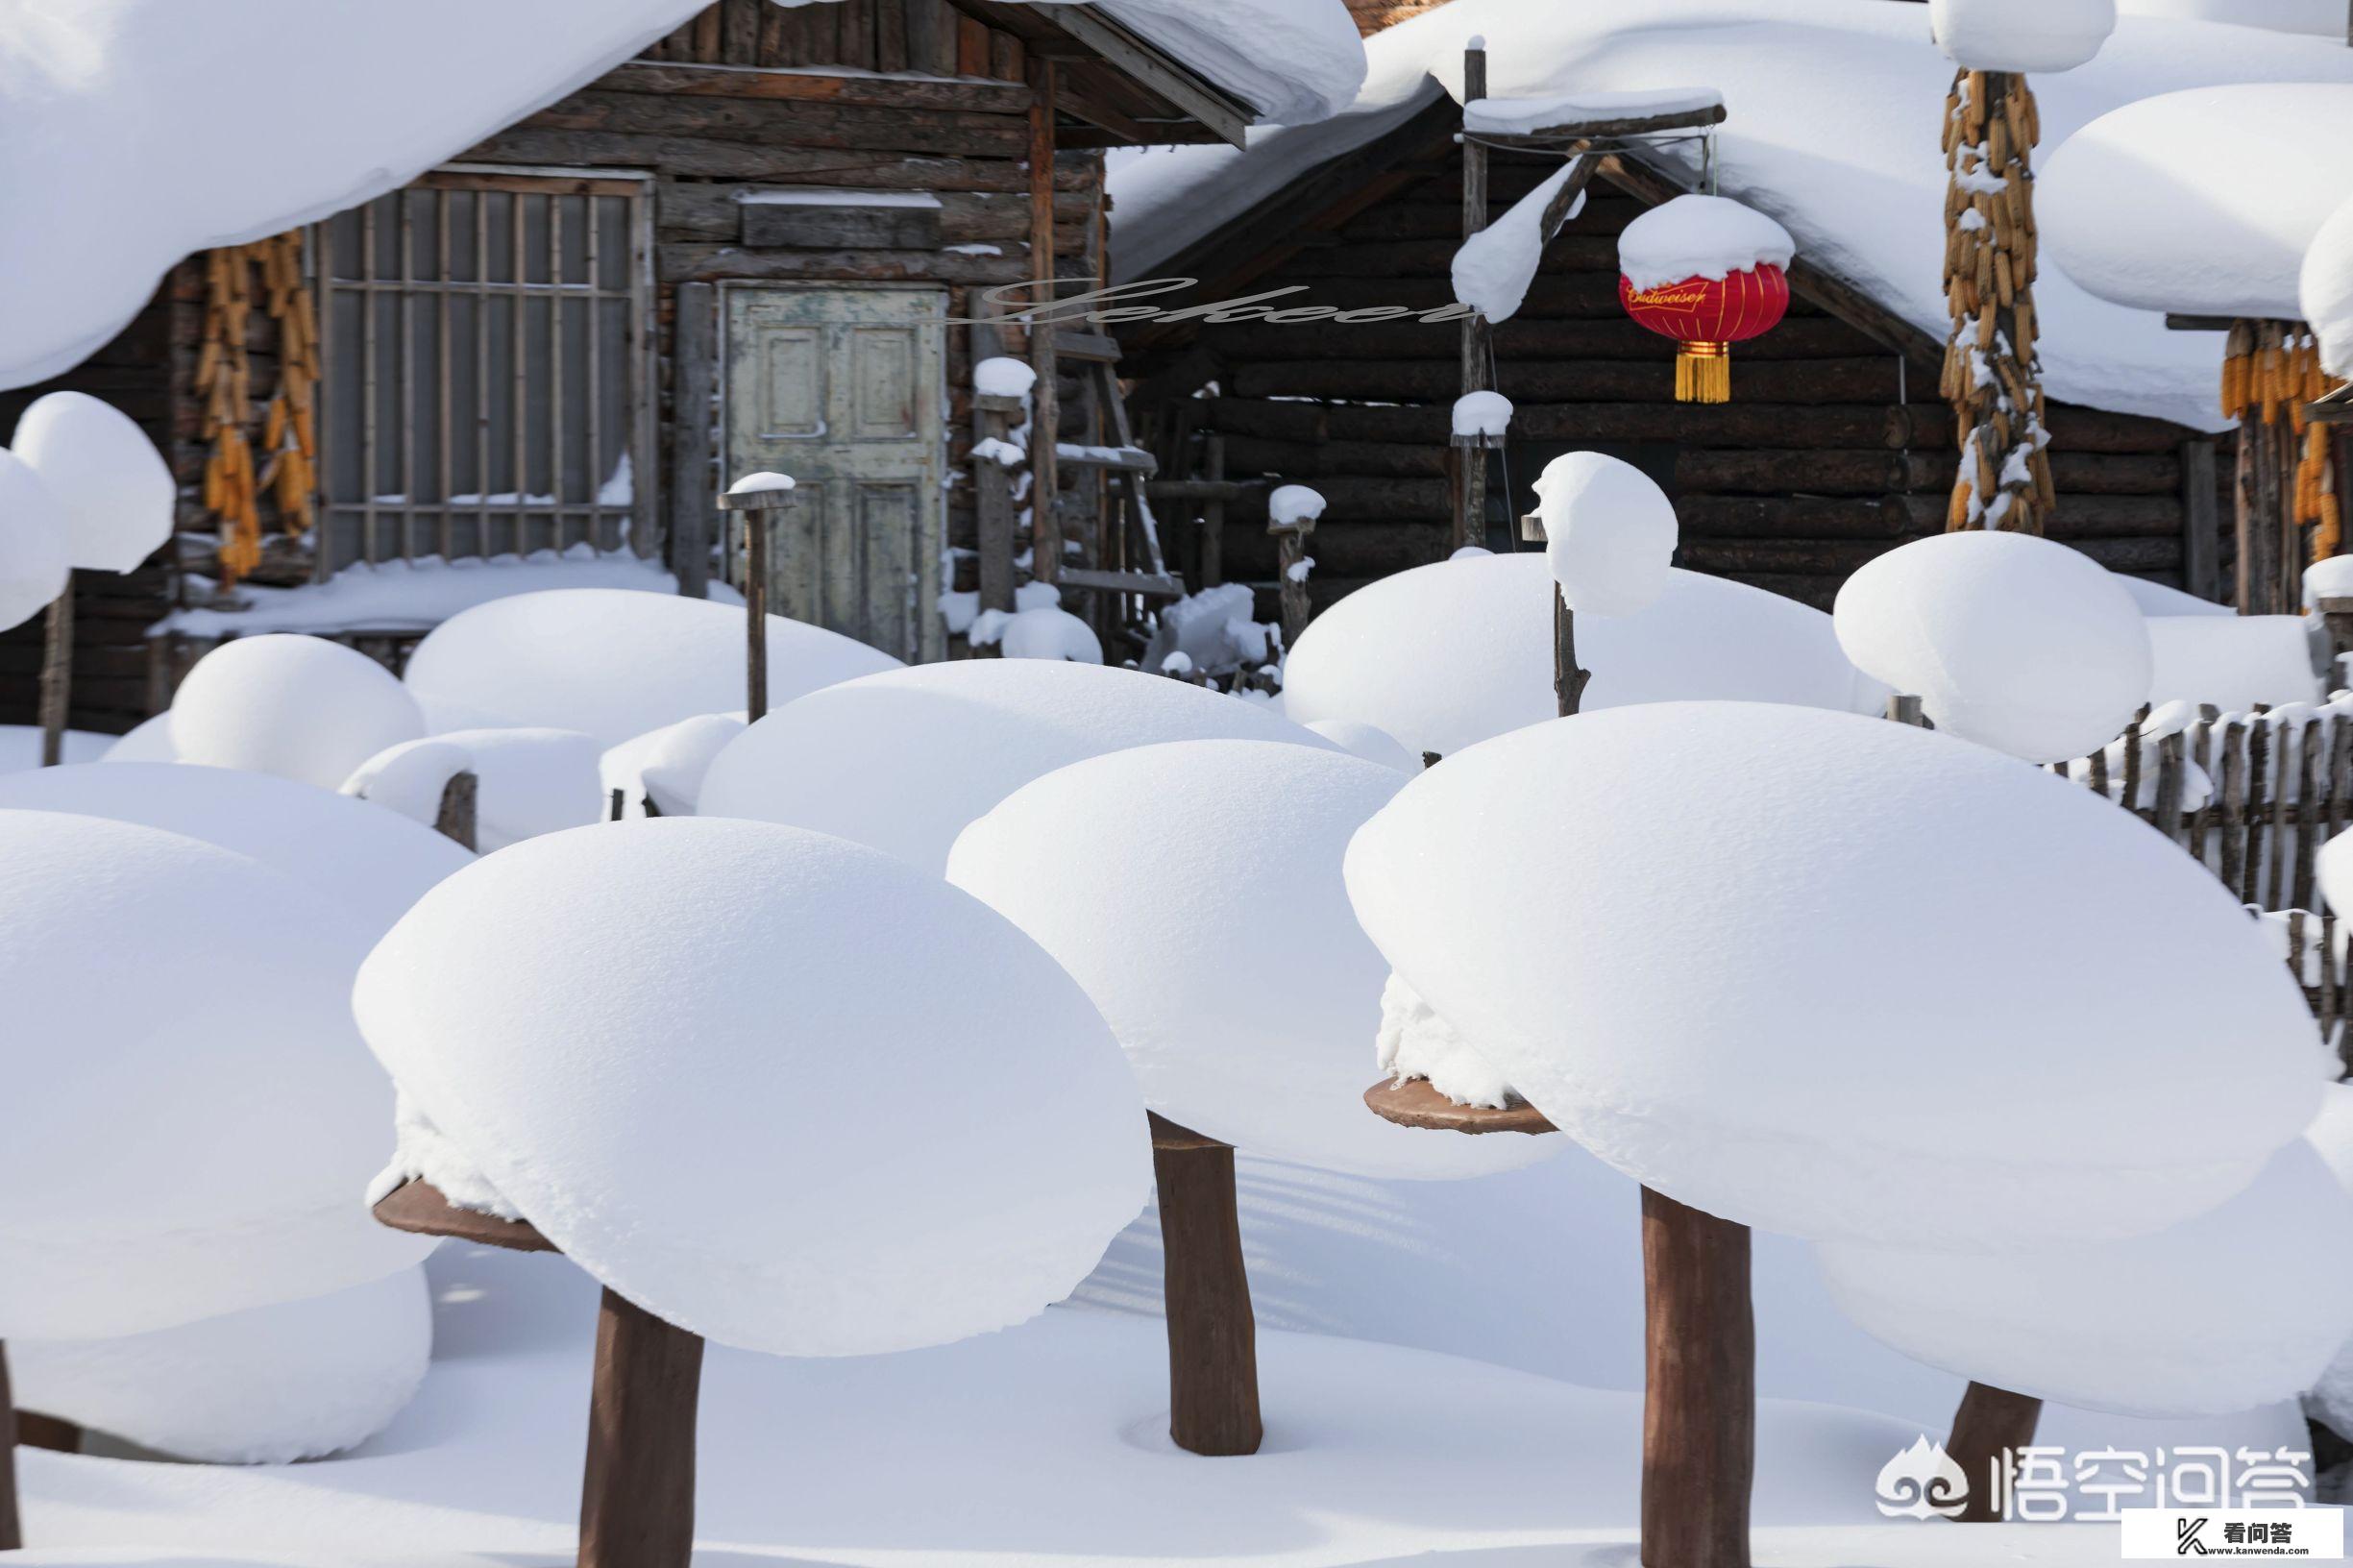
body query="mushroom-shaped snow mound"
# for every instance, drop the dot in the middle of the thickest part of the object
(36, 563)
(1265, 1043)
(184, 1123)
(2008, 640)
(2173, 1324)
(1446, 656)
(373, 861)
(782, 1091)
(614, 662)
(299, 707)
(116, 488)
(1843, 978)
(906, 761)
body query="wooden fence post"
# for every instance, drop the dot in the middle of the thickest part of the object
(1992, 1424)
(1470, 521)
(459, 816)
(759, 508)
(11, 1525)
(1212, 1334)
(57, 680)
(1699, 1406)
(637, 1492)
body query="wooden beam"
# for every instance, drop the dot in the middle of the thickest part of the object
(2201, 520)
(1549, 138)
(694, 375)
(1214, 108)
(870, 92)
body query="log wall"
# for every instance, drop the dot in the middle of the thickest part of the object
(1833, 451)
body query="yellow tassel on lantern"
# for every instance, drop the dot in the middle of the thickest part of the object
(1703, 373)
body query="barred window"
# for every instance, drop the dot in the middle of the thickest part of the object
(486, 390)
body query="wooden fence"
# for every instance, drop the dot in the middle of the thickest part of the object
(2312, 946)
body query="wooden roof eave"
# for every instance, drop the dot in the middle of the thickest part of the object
(1131, 93)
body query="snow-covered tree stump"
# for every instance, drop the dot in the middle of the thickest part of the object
(1991, 376)
(1212, 1333)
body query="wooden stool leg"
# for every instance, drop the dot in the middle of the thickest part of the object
(637, 1501)
(1699, 1412)
(1991, 1422)
(1213, 1337)
(12, 1529)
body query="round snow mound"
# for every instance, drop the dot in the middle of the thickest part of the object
(905, 761)
(614, 662)
(2162, 1325)
(35, 565)
(373, 861)
(1267, 1042)
(1841, 977)
(1370, 742)
(2021, 34)
(814, 1103)
(299, 707)
(186, 1011)
(1445, 657)
(666, 765)
(113, 484)
(2011, 640)
(1610, 534)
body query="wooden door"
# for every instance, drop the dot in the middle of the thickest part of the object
(841, 386)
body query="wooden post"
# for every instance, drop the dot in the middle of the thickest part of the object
(1991, 1426)
(1213, 516)
(460, 810)
(759, 508)
(1213, 1335)
(637, 1499)
(1698, 1410)
(696, 362)
(58, 676)
(2260, 522)
(1470, 523)
(11, 1525)
(1290, 551)
(2201, 569)
(992, 492)
(1569, 681)
(1045, 412)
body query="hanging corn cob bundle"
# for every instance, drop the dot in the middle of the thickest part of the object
(1991, 376)
(2270, 373)
(232, 490)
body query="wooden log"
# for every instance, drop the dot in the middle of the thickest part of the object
(1784, 381)
(694, 380)
(1515, 340)
(2071, 429)
(709, 263)
(2201, 524)
(870, 92)
(637, 1496)
(56, 683)
(786, 123)
(1847, 426)
(1989, 1427)
(12, 1520)
(1213, 1335)
(1698, 1412)
(703, 209)
(752, 161)
(459, 811)
(2260, 522)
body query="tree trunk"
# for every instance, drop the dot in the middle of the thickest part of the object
(637, 1499)
(1992, 375)
(1213, 1335)
(12, 1528)
(1698, 1410)
(56, 686)
(1992, 1423)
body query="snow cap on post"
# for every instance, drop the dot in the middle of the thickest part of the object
(35, 543)
(1003, 377)
(1741, 952)
(2021, 34)
(788, 1009)
(236, 1136)
(765, 482)
(301, 707)
(1267, 1043)
(2158, 1325)
(1292, 505)
(905, 761)
(1610, 534)
(116, 489)
(1485, 416)
(2009, 640)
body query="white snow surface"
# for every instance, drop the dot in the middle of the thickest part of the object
(35, 562)
(2155, 599)
(2022, 35)
(116, 489)
(1714, 909)
(1823, 135)
(301, 707)
(2233, 662)
(373, 862)
(644, 1101)
(2321, 18)
(667, 764)
(1003, 377)
(906, 761)
(411, 778)
(273, 1384)
(1610, 534)
(614, 664)
(1445, 655)
(1415, 1042)
(2331, 578)
(1264, 1045)
(255, 1113)
(2203, 201)
(1494, 268)
(764, 482)
(2168, 1324)
(1294, 503)
(1215, 629)
(528, 781)
(1700, 237)
(1044, 632)
(418, 595)
(1370, 742)
(2009, 640)
(1522, 117)
(2325, 291)
(1482, 413)
(20, 746)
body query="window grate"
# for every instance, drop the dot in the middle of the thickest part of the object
(486, 347)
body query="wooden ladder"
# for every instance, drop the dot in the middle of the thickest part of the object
(1131, 533)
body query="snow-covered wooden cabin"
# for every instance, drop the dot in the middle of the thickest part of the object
(735, 252)
(1836, 445)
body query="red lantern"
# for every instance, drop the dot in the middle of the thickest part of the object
(1706, 316)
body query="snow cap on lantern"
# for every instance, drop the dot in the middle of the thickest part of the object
(1707, 271)
(2021, 34)
(789, 1008)
(1742, 952)
(2009, 640)
(116, 489)
(1265, 1045)
(1610, 534)
(905, 761)
(2168, 1324)
(35, 549)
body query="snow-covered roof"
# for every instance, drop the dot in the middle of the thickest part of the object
(141, 130)
(1832, 117)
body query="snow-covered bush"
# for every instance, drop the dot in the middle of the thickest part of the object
(1610, 534)
(649, 1104)
(35, 560)
(1044, 631)
(117, 492)
(1217, 631)
(299, 707)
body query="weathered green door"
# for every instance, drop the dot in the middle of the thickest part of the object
(841, 387)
